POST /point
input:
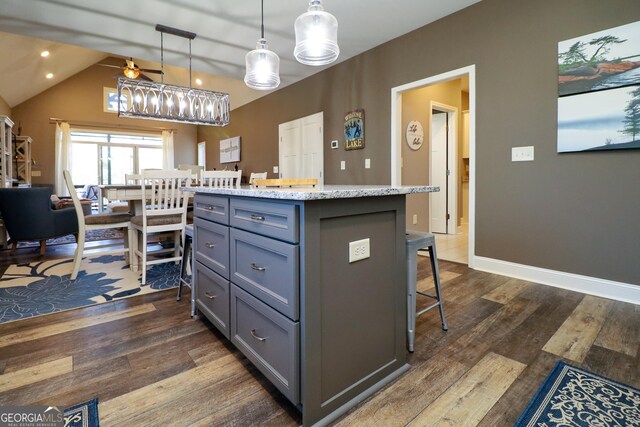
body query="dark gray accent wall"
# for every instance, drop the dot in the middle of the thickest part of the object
(575, 212)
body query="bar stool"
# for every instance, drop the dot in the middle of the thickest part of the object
(186, 260)
(418, 240)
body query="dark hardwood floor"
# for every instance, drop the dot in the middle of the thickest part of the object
(150, 364)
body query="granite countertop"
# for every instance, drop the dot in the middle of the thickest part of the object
(315, 193)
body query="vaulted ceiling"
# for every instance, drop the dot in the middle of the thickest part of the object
(80, 33)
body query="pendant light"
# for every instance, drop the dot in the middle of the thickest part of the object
(263, 65)
(316, 36)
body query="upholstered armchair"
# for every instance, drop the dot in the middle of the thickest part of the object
(28, 216)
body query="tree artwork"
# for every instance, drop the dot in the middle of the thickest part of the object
(631, 119)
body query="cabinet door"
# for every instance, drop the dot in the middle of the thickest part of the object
(212, 245)
(268, 339)
(212, 297)
(267, 269)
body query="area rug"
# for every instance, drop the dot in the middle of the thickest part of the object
(91, 236)
(43, 287)
(84, 414)
(574, 397)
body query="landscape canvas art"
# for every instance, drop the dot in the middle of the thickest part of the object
(604, 120)
(602, 60)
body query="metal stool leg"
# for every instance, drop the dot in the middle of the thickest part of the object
(436, 280)
(186, 258)
(412, 275)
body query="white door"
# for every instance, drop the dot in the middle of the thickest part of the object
(300, 148)
(438, 200)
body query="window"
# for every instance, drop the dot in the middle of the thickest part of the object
(105, 158)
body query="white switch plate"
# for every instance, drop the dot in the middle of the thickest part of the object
(367, 163)
(343, 165)
(359, 250)
(275, 169)
(415, 219)
(522, 154)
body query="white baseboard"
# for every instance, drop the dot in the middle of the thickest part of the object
(587, 285)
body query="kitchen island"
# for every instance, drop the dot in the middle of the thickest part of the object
(310, 284)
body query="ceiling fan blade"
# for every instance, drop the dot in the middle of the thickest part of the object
(130, 63)
(152, 71)
(143, 77)
(110, 66)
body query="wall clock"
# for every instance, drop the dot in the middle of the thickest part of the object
(415, 135)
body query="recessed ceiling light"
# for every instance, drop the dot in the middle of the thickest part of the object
(44, 53)
(199, 82)
(49, 75)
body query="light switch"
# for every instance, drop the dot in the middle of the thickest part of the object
(343, 165)
(275, 169)
(367, 163)
(522, 154)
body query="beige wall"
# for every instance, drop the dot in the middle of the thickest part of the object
(576, 213)
(5, 109)
(79, 99)
(416, 164)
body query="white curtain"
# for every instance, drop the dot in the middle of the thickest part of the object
(167, 150)
(63, 156)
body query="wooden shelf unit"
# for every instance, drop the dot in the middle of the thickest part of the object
(6, 150)
(22, 151)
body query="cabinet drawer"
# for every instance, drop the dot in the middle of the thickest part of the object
(266, 268)
(213, 208)
(273, 219)
(268, 339)
(212, 297)
(212, 245)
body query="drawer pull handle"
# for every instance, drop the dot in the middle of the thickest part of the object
(255, 267)
(210, 208)
(257, 217)
(253, 334)
(208, 295)
(210, 245)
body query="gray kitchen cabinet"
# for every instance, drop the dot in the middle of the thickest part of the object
(325, 331)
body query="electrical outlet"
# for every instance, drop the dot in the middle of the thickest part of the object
(359, 250)
(522, 154)
(275, 169)
(367, 163)
(343, 165)
(415, 219)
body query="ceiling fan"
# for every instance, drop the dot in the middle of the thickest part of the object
(133, 71)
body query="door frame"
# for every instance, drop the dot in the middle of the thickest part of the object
(396, 137)
(452, 163)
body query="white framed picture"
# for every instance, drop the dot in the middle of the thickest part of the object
(230, 150)
(110, 100)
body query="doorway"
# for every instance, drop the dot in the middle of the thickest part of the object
(443, 205)
(467, 167)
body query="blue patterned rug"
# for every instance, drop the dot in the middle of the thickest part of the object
(574, 397)
(43, 287)
(82, 415)
(91, 236)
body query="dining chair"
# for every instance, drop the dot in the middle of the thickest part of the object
(221, 178)
(100, 221)
(164, 209)
(257, 175)
(132, 178)
(195, 170)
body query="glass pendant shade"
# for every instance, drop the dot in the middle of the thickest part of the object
(316, 36)
(263, 68)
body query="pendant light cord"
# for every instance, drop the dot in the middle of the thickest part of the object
(162, 57)
(189, 63)
(262, 13)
